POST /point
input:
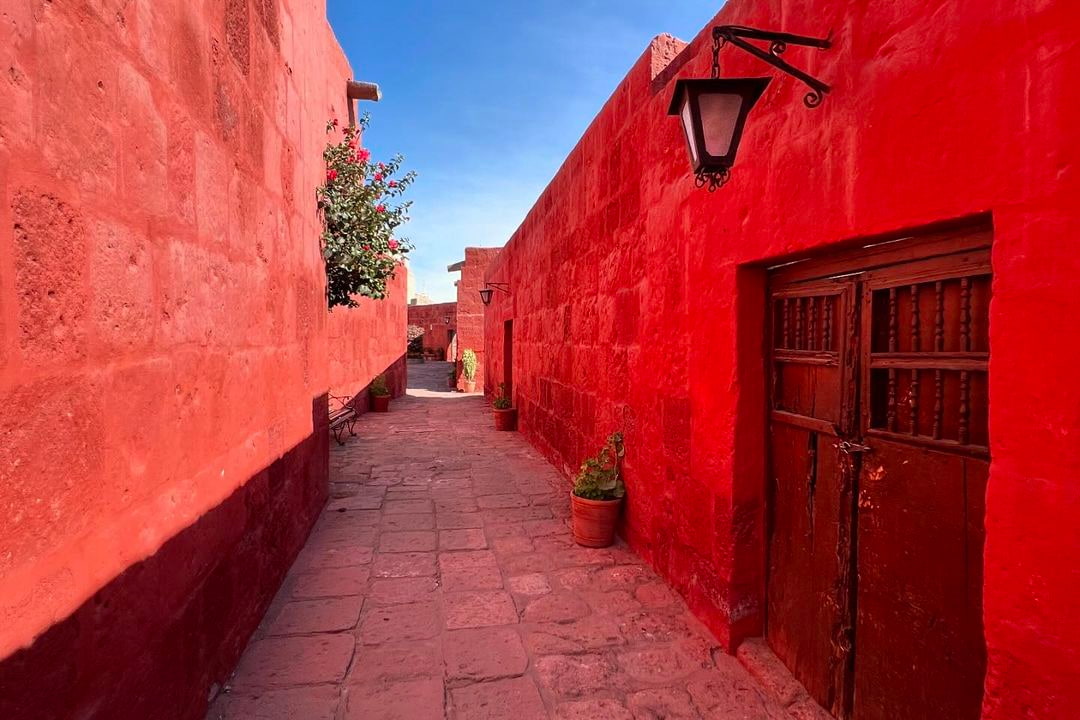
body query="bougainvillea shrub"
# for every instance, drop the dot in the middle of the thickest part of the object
(361, 211)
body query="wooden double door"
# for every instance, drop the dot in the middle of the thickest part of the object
(879, 458)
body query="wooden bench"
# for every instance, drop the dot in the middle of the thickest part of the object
(342, 417)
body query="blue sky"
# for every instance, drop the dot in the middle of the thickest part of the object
(485, 99)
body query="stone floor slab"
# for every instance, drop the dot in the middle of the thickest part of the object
(592, 710)
(441, 581)
(533, 584)
(330, 582)
(484, 654)
(310, 703)
(513, 699)
(463, 539)
(408, 521)
(305, 617)
(478, 609)
(284, 662)
(397, 623)
(408, 660)
(408, 541)
(400, 700)
(398, 591)
(414, 564)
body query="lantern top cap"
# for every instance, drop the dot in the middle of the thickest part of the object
(749, 87)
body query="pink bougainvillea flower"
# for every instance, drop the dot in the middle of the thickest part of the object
(392, 244)
(331, 175)
(392, 183)
(378, 177)
(380, 208)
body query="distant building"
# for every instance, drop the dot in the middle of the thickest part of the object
(470, 309)
(420, 299)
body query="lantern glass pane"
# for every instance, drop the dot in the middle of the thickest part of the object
(719, 115)
(688, 127)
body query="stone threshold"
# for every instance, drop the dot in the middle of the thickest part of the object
(761, 662)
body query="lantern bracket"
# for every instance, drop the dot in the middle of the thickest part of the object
(739, 36)
(485, 293)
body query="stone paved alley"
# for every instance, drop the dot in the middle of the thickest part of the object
(441, 582)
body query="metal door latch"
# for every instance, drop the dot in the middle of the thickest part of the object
(852, 448)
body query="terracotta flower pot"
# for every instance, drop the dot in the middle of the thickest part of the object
(594, 520)
(505, 419)
(469, 385)
(380, 403)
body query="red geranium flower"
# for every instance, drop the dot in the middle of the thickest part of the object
(380, 208)
(331, 175)
(392, 183)
(392, 244)
(363, 155)
(378, 177)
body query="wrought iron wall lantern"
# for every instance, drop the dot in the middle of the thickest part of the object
(489, 288)
(714, 110)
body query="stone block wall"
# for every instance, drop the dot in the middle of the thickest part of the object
(164, 340)
(470, 310)
(638, 300)
(432, 319)
(368, 341)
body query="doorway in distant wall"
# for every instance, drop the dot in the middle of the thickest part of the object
(878, 462)
(451, 345)
(508, 358)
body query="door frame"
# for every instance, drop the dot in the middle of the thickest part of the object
(508, 357)
(825, 266)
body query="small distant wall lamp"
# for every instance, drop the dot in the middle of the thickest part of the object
(355, 90)
(714, 110)
(489, 288)
(446, 318)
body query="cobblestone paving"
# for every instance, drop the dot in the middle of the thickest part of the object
(441, 582)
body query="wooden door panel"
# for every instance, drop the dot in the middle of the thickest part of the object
(925, 356)
(808, 611)
(920, 649)
(879, 459)
(809, 580)
(508, 358)
(809, 390)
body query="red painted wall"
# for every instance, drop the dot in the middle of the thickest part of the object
(368, 341)
(638, 300)
(432, 318)
(163, 340)
(470, 309)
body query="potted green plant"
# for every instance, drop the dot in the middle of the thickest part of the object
(468, 370)
(597, 495)
(380, 394)
(505, 414)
